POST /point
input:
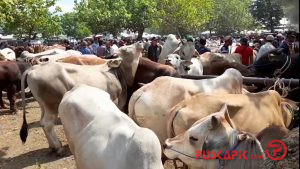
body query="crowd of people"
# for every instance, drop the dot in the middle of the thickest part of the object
(251, 48)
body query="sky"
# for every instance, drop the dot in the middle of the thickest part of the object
(65, 5)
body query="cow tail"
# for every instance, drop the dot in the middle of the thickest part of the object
(24, 129)
(134, 98)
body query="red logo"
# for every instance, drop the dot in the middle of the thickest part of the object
(277, 146)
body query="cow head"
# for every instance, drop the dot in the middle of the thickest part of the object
(186, 50)
(182, 66)
(130, 59)
(7, 54)
(210, 133)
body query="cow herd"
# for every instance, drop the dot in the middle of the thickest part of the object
(168, 117)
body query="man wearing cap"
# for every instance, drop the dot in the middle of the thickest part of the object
(225, 48)
(266, 47)
(154, 50)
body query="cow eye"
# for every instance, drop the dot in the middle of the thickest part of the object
(193, 138)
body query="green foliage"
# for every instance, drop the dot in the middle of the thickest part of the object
(72, 26)
(183, 16)
(29, 17)
(230, 16)
(103, 15)
(267, 12)
(142, 15)
(291, 11)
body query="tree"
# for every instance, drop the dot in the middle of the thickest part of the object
(291, 11)
(230, 16)
(142, 15)
(103, 16)
(267, 12)
(29, 17)
(73, 26)
(183, 16)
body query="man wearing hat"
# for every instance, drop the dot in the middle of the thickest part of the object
(266, 47)
(287, 44)
(154, 50)
(226, 47)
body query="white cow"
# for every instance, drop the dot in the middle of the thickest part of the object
(150, 105)
(185, 67)
(48, 82)
(51, 55)
(7, 54)
(101, 136)
(184, 49)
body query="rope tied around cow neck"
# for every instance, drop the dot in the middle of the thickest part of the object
(285, 90)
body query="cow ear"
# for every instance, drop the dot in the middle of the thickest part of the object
(187, 63)
(215, 122)
(225, 114)
(114, 63)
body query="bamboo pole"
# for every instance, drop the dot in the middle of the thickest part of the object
(250, 80)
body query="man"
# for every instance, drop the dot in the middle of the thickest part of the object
(287, 44)
(226, 47)
(114, 48)
(101, 50)
(95, 45)
(85, 50)
(245, 51)
(201, 48)
(154, 50)
(266, 47)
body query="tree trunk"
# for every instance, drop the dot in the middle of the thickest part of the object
(140, 34)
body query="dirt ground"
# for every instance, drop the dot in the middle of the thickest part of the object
(34, 154)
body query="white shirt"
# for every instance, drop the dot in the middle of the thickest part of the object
(264, 49)
(113, 49)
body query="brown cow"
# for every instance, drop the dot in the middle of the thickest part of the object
(10, 80)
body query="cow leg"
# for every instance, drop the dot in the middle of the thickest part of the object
(2, 106)
(48, 122)
(11, 95)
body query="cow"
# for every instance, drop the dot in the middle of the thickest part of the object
(150, 104)
(217, 134)
(20, 49)
(48, 83)
(49, 55)
(147, 71)
(215, 64)
(7, 54)
(186, 50)
(267, 108)
(10, 80)
(185, 67)
(235, 57)
(101, 136)
(83, 60)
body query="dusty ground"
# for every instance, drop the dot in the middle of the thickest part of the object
(34, 154)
